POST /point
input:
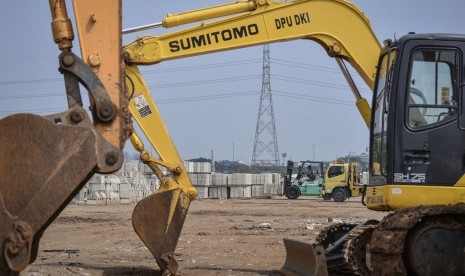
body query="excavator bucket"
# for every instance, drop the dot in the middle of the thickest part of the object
(158, 220)
(43, 164)
(304, 259)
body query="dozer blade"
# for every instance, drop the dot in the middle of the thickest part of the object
(304, 259)
(158, 220)
(43, 163)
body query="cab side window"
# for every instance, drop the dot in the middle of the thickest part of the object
(335, 171)
(432, 94)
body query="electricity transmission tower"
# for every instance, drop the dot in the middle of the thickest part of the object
(265, 149)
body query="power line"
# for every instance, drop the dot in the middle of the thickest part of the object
(279, 93)
(200, 82)
(316, 83)
(309, 99)
(304, 65)
(195, 67)
(205, 66)
(203, 82)
(30, 81)
(240, 78)
(286, 93)
(210, 97)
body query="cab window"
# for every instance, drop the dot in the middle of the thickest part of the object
(380, 119)
(433, 87)
(335, 171)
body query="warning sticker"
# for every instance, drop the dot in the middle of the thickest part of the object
(141, 105)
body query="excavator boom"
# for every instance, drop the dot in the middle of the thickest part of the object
(158, 218)
(268, 22)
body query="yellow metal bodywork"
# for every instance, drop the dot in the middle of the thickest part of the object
(337, 25)
(173, 20)
(145, 112)
(267, 22)
(349, 179)
(394, 197)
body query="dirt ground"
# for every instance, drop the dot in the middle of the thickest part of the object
(220, 237)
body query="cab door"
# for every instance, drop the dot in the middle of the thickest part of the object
(429, 146)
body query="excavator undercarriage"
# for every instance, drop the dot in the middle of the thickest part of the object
(426, 240)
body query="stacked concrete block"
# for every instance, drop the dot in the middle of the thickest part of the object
(258, 191)
(125, 187)
(262, 179)
(103, 190)
(200, 179)
(140, 187)
(201, 182)
(219, 188)
(202, 192)
(258, 184)
(202, 167)
(219, 179)
(275, 188)
(240, 179)
(130, 166)
(218, 192)
(200, 176)
(240, 185)
(112, 188)
(240, 192)
(198, 167)
(136, 181)
(189, 166)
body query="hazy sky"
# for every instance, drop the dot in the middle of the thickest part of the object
(211, 101)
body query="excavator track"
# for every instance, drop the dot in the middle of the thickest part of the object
(327, 239)
(356, 248)
(332, 233)
(353, 249)
(425, 240)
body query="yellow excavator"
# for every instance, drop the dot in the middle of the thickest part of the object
(415, 118)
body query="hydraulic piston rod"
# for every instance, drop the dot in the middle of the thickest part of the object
(173, 20)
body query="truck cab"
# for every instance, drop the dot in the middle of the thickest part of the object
(342, 180)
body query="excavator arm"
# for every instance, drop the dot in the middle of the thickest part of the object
(46, 160)
(158, 218)
(338, 26)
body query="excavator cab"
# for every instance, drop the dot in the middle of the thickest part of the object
(416, 169)
(417, 105)
(417, 156)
